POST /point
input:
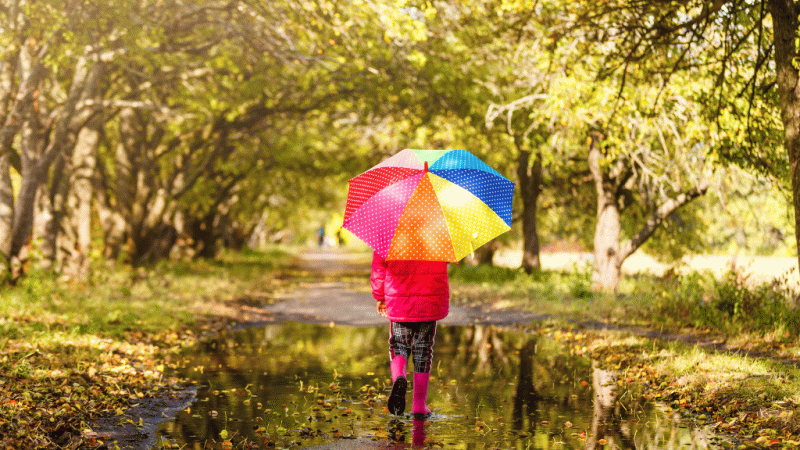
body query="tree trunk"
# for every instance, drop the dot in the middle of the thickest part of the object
(483, 255)
(40, 147)
(608, 230)
(785, 23)
(76, 224)
(607, 261)
(48, 207)
(609, 252)
(204, 234)
(530, 182)
(115, 229)
(32, 144)
(6, 207)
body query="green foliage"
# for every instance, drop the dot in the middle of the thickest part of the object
(743, 215)
(486, 274)
(683, 233)
(580, 284)
(729, 304)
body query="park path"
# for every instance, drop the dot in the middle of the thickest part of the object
(328, 297)
(334, 289)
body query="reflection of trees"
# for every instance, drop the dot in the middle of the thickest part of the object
(479, 349)
(606, 425)
(522, 378)
(526, 397)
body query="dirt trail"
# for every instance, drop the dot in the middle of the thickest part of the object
(334, 289)
(327, 298)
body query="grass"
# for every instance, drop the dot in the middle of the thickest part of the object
(755, 399)
(728, 306)
(100, 345)
(118, 299)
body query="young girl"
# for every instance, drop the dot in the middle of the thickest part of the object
(413, 295)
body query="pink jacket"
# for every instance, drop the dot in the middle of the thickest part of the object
(414, 291)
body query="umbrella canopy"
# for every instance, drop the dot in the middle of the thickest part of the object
(429, 205)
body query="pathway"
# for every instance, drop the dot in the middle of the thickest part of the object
(328, 300)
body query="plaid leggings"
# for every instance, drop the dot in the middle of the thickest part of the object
(417, 336)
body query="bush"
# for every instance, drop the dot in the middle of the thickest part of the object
(729, 303)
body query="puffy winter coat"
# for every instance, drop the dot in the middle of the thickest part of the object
(414, 291)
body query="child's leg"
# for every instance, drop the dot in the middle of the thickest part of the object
(400, 341)
(423, 358)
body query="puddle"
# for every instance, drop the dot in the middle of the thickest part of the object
(297, 385)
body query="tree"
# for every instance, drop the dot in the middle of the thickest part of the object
(53, 56)
(649, 155)
(500, 54)
(733, 42)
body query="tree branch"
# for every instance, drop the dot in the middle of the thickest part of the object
(657, 217)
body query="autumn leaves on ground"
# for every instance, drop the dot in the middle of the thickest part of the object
(70, 353)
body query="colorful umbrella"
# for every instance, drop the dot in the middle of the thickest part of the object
(429, 205)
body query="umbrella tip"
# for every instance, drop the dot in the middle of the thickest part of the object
(426, 166)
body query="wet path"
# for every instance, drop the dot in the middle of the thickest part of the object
(326, 302)
(319, 378)
(298, 385)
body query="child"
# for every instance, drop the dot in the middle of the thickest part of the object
(413, 295)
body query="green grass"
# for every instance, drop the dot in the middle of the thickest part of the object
(565, 296)
(108, 339)
(118, 299)
(696, 300)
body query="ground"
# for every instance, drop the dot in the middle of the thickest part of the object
(70, 353)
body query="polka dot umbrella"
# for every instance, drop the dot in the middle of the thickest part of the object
(429, 205)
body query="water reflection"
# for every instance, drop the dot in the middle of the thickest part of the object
(290, 385)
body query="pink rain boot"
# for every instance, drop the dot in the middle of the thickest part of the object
(421, 381)
(397, 398)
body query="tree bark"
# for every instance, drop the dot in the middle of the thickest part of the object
(483, 255)
(785, 23)
(40, 148)
(6, 207)
(609, 252)
(31, 72)
(48, 211)
(608, 230)
(115, 229)
(76, 226)
(530, 186)
(658, 217)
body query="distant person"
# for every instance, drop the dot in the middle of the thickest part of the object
(339, 238)
(413, 295)
(321, 236)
